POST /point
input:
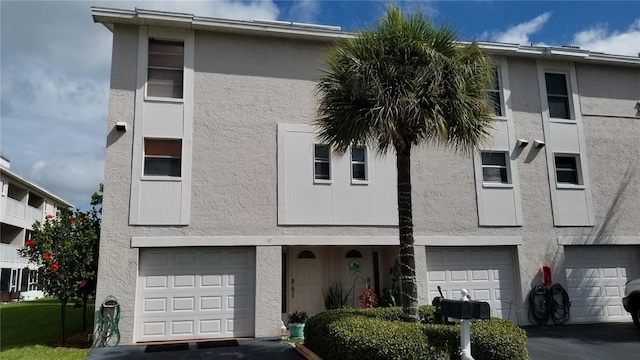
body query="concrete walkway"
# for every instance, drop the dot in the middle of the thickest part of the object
(250, 349)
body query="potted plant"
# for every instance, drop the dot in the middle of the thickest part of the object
(297, 319)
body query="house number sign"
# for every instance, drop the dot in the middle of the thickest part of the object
(354, 267)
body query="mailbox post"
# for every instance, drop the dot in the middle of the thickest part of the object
(465, 310)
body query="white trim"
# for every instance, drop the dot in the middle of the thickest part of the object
(137, 160)
(185, 241)
(186, 135)
(589, 240)
(576, 118)
(512, 163)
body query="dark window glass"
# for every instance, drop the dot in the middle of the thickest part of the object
(306, 254)
(494, 167)
(567, 170)
(322, 168)
(557, 96)
(358, 163)
(166, 68)
(162, 157)
(494, 158)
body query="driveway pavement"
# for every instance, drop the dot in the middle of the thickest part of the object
(250, 349)
(588, 341)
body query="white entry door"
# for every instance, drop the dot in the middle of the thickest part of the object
(486, 272)
(595, 281)
(195, 293)
(306, 280)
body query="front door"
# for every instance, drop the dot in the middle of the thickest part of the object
(306, 280)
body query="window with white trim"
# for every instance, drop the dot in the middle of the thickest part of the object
(163, 157)
(322, 162)
(359, 163)
(33, 280)
(495, 167)
(557, 95)
(495, 94)
(165, 75)
(568, 169)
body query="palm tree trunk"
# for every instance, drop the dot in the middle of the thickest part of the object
(409, 297)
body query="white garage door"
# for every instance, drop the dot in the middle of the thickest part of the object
(487, 272)
(595, 281)
(195, 293)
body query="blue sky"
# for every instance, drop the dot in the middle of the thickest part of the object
(55, 62)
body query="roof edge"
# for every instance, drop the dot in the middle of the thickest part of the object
(141, 17)
(34, 185)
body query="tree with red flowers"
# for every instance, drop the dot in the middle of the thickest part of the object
(65, 249)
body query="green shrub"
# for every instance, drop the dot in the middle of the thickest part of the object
(378, 334)
(357, 335)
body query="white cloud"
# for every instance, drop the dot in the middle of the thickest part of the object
(304, 11)
(73, 176)
(519, 34)
(598, 38)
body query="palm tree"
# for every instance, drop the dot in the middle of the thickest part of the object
(401, 84)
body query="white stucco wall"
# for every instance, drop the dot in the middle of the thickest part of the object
(244, 87)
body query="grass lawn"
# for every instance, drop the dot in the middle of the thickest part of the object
(33, 330)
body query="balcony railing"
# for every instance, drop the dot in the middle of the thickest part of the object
(22, 211)
(9, 255)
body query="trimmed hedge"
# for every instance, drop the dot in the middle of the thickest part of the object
(378, 334)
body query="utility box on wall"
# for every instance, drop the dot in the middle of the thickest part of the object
(468, 310)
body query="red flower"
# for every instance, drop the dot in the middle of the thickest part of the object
(49, 217)
(30, 243)
(54, 266)
(84, 218)
(73, 219)
(47, 256)
(82, 283)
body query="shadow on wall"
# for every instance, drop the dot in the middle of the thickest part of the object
(603, 233)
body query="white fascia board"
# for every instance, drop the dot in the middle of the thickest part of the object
(30, 185)
(604, 240)
(187, 241)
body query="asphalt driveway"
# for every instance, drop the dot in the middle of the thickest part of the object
(587, 341)
(250, 349)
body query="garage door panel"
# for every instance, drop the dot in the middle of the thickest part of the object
(487, 273)
(191, 296)
(595, 279)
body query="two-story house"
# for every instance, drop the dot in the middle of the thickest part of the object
(222, 211)
(22, 203)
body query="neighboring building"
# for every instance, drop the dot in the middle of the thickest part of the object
(222, 212)
(23, 202)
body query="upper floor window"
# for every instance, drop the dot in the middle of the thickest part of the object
(322, 162)
(557, 95)
(166, 68)
(162, 157)
(567, 169)
(359, 163)
(495, 94)
(494, 167)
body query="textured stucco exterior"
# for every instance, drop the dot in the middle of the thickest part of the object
(245, 86)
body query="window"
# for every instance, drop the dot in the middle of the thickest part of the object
(494, 167)
(166, 68)
(33, 280)
(162, 157)
(557, 95)
(359, 163)
(322, 162)
(567, 169)
(495, 94)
